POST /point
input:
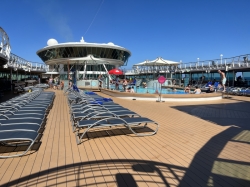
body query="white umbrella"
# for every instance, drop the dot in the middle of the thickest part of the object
(90, 59)
(144, 63)
(161, 62)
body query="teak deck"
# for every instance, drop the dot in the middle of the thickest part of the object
(198, 144)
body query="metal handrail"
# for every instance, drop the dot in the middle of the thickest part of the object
(17, 62)
(240, 61)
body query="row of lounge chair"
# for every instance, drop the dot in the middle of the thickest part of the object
(22, 119)
(91, 111)
(240, 91)
(35, 87)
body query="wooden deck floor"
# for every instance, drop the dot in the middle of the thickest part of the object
(198, 144)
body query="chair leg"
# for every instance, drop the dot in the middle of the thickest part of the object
(144, 134)
(17, 155)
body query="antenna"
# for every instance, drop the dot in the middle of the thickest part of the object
(94, 17)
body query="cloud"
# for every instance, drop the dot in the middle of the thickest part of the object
(60, 24)
(56, 19)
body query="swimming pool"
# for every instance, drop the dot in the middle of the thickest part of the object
(145, 94)
(142, 90)
(153, 91)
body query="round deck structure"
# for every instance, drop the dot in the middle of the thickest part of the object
(85, 60)
(72, 52)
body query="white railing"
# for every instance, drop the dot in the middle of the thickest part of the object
(4, 44)
(237, 62)
(17, 62)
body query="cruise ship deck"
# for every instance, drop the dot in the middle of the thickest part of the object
(198, 144)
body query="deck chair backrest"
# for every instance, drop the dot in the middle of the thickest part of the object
(216, 84)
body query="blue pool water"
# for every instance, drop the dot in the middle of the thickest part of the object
(163, 91)
(151, 90)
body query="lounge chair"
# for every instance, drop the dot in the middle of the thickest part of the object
(99, 114)
(23, 127)
(22, 116)
(97, 107)
(207, 85)
(111, 122)
(20, 138)
(21, 122)
(93, 104)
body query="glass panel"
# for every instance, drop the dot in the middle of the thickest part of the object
(64, 52)
(94, 52)
(103, 54)
(89, 50)
(108, 53)
(114, 54)
(68, 52)
(84, 50)
(75, 52)
(98, 52)
(121, 55)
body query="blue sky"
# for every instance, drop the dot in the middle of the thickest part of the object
(173, 29)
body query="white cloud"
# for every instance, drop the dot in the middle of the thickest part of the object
(56, 19)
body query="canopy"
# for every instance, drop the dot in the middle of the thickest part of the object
(144, 63)
(90, 59)
(115, 72)
(161, 62)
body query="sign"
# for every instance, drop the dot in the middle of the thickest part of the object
(161, 79)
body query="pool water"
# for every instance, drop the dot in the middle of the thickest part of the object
(151, 90)
(163, 91)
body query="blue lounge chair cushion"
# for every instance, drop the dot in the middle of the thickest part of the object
(21, 121)
(107, 99)
(96, 102)
(17, 135)
(87, 123)
(90, 93)
(131, 121)
(25, 127)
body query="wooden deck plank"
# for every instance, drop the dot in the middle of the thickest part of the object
(109, 159)
(107, 179)
(71, 149)
(122, 156)
(10, 167)
(132, 144)
(58, 109)
(20, 169)
(189, 149)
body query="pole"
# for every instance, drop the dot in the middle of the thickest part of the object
(233, 78)
(221, 59)
(68, 70)
(107, 72)
(84, 71)
(160, 93)
(11, 78)
(190, 78)
(227, 83)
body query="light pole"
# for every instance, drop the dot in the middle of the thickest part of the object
(221, 58)
(198, 60)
